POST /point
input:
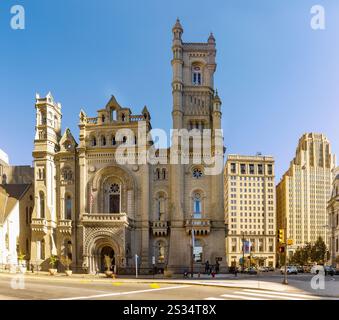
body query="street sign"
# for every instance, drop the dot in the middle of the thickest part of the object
(290, 242)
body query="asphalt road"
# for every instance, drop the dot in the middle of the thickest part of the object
(42, 288)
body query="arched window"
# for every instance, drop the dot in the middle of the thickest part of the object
(197, 208)
(103, 118)
(68, 249)
(123, 117)
(103, 140)
(164, 173)
(113, 115)
(43, 118)
(42, 205)
(196, 75)
(94, 142)
(68, 208)
(113, 198)
(114, 142)
(157, 174)
(161, 208)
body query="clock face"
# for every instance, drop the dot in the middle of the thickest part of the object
(197, 173)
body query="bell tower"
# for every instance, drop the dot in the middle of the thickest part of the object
(193, 67)
(196, 105)
(46, 145)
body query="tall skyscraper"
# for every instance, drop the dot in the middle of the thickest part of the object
(250, 209)
(304, 191)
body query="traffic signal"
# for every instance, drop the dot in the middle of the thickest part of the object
(281, 236)
(281, 249)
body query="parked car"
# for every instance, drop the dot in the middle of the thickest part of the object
(289, 270)
(300, 269)
(271, 269)
(307, 268)
(317, 269)
(251, 270)
(329, 270)
(262, 269)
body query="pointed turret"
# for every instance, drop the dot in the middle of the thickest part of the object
(177, 30)
(146, 113)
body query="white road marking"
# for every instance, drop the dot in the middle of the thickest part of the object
(288, 294)
(267, 295)
(213, 298)
(121, 293)
(241, 297)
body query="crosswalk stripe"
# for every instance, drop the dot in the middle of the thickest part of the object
(267, 295)
(288, 294)
(241, 297)
(213, 298)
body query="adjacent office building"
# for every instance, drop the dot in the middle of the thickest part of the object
(250, 209)
(304, 191)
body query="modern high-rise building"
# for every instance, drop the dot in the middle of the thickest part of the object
(333, 219)
(304, 191)
(250, 209)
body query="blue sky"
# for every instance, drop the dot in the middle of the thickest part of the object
(277, 77)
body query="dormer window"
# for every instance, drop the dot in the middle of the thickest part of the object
(196, 76)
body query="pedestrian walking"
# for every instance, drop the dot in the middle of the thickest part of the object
(207, 266)
(217, 266)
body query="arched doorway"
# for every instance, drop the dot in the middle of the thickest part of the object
(107, 251)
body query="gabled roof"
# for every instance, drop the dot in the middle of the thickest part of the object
(113, 103)
(67, 136)
(10, 194)
(16, 191)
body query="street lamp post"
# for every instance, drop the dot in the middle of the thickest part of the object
(285, 281)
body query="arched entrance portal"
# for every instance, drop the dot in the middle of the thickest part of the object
(107, 252)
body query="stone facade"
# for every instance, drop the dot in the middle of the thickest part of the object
(89, 205)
